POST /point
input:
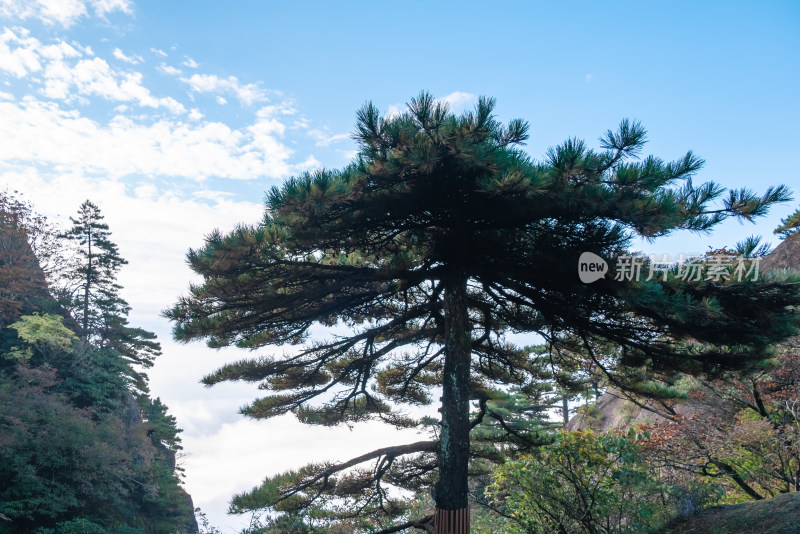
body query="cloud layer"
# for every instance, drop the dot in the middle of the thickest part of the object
(147, 135)
(61, 12)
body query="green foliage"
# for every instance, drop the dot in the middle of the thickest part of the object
(590, 413)
(79, 452)
(45, 329)
(92, 294)
(286, 524)
(441, 237)
(583, 482)
(74, 526)
(58, 460)
(752, 247)
(506, 424)
(46, 332)
(790, 225)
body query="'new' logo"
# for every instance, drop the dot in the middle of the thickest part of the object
(591, 267)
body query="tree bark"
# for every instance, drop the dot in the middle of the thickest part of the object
(450, 492)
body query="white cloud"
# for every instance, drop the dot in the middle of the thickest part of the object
(267, 122)
(210, 83)
(221, 100)
(170, 70)
(350, 155)
(43, 132)
(103, 7)
(133, 60)
(189, 62)
(63, 12)
(96, 77)
(301, 123)
(308, 164)
(61, 50)
(324, 138)
(64, 79)
(19, 53)
(588, 78)
(195, 115)
(395, 110)
(158, 52)
(6, 96)
(146, 191)
(459, 100)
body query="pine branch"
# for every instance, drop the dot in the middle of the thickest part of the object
(322, 476)
(424, 523)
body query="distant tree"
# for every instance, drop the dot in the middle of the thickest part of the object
(40, 234)
(22, 284)
(437, 240)
(94, 299)
(507, 423)
(96, 288)
(569, 374)
(790, 225)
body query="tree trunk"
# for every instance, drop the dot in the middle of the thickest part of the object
(565, 409)
(450, 492)
(86, 287)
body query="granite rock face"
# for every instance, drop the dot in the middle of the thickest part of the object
(785, 256)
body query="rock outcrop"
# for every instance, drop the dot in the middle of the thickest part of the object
(785, 256)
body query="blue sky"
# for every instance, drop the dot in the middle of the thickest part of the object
(174, 117)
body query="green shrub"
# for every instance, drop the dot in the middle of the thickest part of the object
(74, 526)
(583, 482)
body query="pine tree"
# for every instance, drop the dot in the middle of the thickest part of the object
(438, 239)
(94, 299)
(95, 277)
(570, 375)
